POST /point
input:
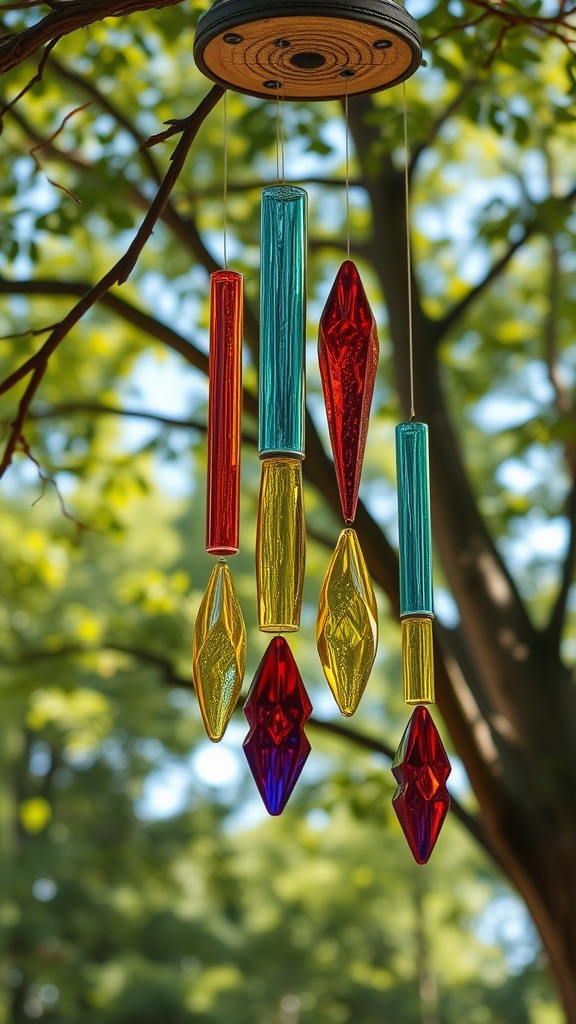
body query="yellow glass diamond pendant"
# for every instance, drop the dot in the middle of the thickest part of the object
(347, 627)
(219, 652)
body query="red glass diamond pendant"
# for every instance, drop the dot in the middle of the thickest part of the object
(348, 358)
(421, 768)
(277, 708)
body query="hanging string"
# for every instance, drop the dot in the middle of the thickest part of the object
(277, 138)
(280, 175)
(347, 171)
(225, 197)
(408, 256)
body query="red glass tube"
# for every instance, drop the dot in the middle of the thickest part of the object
(224, 413)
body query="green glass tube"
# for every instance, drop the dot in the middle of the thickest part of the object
(415, 540)
(282, 320)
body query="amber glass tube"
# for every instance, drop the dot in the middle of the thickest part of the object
(417, 661)
(224, 413)
(280, 545)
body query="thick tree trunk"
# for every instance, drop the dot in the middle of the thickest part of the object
(512, 679)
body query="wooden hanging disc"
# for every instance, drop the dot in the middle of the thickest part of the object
(307, 49)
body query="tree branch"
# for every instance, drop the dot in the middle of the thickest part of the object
(66, 18)
(171, 678)
(556, 622)
(470, 822)
(117, 275)
(29, 85)
(99, 409)
(132, 314)
(439, 122)
(17, 425)
(104, 101)
(531, 228)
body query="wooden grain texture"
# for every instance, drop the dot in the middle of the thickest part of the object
(343, 45)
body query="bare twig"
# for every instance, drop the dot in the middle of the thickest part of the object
(111, 108)
(117, 275)
(132, 314)
(16, 434)
(47, 142)
(66, 18)
(33, 81)
(47, 479)
(101, 409)
(533, 226)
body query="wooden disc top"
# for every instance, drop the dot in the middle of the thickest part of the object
(303, 50)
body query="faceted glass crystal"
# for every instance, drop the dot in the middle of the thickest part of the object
(421, 768)
(348, 357)
(277, 708)
(219, 652)
(347, 627)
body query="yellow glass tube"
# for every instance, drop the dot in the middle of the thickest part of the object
(418, 661)
(219, 652)
(280, 545)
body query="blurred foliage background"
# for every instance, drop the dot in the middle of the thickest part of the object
(139, 879)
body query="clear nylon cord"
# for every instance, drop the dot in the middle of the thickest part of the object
(280, 170)
(347, 170)
(408, 256)
(225, 201)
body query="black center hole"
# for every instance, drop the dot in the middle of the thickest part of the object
(308, 60)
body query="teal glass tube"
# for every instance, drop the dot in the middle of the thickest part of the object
(282, 321)
(415, 539)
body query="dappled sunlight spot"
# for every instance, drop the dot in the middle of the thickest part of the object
(35, 814)
(318, 819)
(207, 988)
(445, 608)
(44, 889)
(504, 727)
(497, 585)
(165, 792)
(216, 766)
(459, 783)
(506, 922)
(478, 724)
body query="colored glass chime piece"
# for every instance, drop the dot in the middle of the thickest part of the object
(219, 652)
(421, 768)
(282, 320)
(280, 545)
(415, 539)
(224, 413)
(277, 709)
(347, 627)
(418, 661)
(348, 358)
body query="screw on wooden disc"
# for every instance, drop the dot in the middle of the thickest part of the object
(304, 50)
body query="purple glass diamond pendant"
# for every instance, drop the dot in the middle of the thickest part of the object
(421, 768)
(277, 708)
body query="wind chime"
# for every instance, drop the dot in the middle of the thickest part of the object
(310, 51)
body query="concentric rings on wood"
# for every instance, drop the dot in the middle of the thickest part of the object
(307, 51)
